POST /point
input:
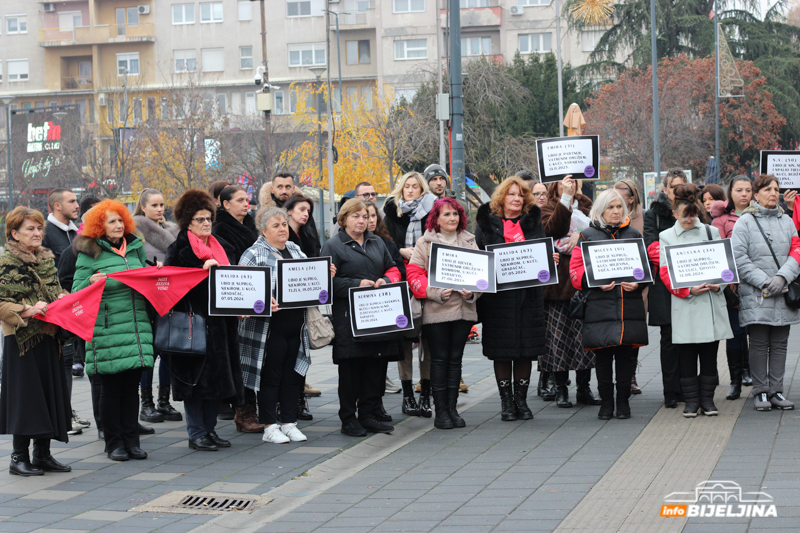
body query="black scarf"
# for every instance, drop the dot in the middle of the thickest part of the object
(240, 235)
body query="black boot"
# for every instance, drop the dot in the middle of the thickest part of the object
(164, 407)
(43, 460)
(440, 402)
(549, 391)
(226, 412)
(452, 401)
(410, 406)
(735, 368)
(562, 393)
(708, 385)
(303, 412)
(21, 465)
(508, 411)
(540, 386)
(149, 412)
(584, 393)
(380, 412)
(521, 399)
(606, 391)
(691, 395)
(623, 405)
(144, 430)
(425, 399)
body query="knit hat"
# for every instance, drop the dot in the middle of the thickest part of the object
(433, 171)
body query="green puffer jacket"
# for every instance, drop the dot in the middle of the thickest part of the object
(123, 338)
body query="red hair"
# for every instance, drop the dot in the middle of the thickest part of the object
(95, 218)
(432, 223)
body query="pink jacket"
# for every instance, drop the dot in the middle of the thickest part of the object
(723, 220)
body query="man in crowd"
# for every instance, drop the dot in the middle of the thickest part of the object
(365, 191)
(61, 229)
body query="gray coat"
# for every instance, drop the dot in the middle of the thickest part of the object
(756, 265)
(156, 237)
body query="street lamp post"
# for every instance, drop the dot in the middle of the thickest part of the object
(7, 100)
(317, 71)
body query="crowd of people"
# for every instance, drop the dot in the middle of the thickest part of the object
(253, 368)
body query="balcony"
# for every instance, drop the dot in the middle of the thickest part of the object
(357, 21)
(476, 17)
(98, 34)
(79, 83)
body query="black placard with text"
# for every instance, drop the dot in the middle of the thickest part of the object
(578, 155)
(239, 291)
(381, 310)
(524, 264)
(693, 264)
(304, 282)
(621, 260)
(453, 267)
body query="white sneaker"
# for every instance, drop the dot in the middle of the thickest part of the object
(294, 434)
(274, 435)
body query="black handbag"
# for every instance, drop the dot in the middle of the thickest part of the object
(577, 305)
(180, 332)
(792, 295)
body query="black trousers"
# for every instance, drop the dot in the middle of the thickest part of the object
(690, 353)
(361, 383)
(279, 381)
(670, 365)
(446, 343)
(119, 407)
(94, 382)
(621, 358)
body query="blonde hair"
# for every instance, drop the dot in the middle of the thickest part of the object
(499, 195)
(397, 194)
(602, 202)
(143, 197)
(350, 206)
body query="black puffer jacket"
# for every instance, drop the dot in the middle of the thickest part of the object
(614, 317)
(219, 374)
(657, 219)
(397, 225)
(513, 321)
(354, 263)
(239, 235)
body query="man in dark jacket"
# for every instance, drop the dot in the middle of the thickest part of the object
(61, 229)
(657, 219)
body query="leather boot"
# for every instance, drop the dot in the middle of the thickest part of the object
(549, 390)
(584, 393)
(540, 386)
(691, 396)
(410, 406)
(380, 412)
(303, 413)
(508, 410)
(246, 420)
(164, 407)
(521, 399)
(21, 465)
(440, 402)
(735, 368)
(623, 404)
(708, 385)
(43, 460)
(562, 393)
(226, 412)
(747, 379)
(149, 412)
(452, 401)
(606, 391)
(425, 399)
(634, 386)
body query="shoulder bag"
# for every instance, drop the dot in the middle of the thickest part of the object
(180, 332)
(319, 328)
(577, 305)
(792, 295)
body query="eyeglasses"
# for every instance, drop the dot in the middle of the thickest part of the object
(202, 220)
(539, 194)
(369, 195)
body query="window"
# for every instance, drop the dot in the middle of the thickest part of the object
(27, 105)
(358, 52)
(476, 46)
(366, 96)
(298, 9)
(473, 3)
(185, 60)
(301, 55)
(278, 103)
(17, 69)
(245, 10)
(81, 110)
(85, 69)
(210, 12)
(414, 49)
(245, 57)
(123, 111)
(164, 108)
(110, 111)
(68, 20)
(405, 93)
(1, 71)
(151, 108)
(337, 100)
(590, 38)
(213, 59)
(222, 104)
(535, 43)
(250, 104)
(352, 93)
(534, 2)
(126, 16)
(137, 111)
(183, 14)
(16, 24)
(408, 6)
(129, 61)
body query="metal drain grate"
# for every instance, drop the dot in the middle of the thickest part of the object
(215, 504)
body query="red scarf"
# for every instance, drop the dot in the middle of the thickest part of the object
(77, 312)
(512, 231)
(212, 250)
(163, 287)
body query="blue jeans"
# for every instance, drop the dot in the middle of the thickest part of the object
(201, 417)
(163, 374)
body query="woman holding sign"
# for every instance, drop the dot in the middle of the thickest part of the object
(615, 317)
(203, 381)
(699, 314)
(762, 239)
(514, 331)
(448, 315)
(34, 401)
(122, 346)
(361, 260)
